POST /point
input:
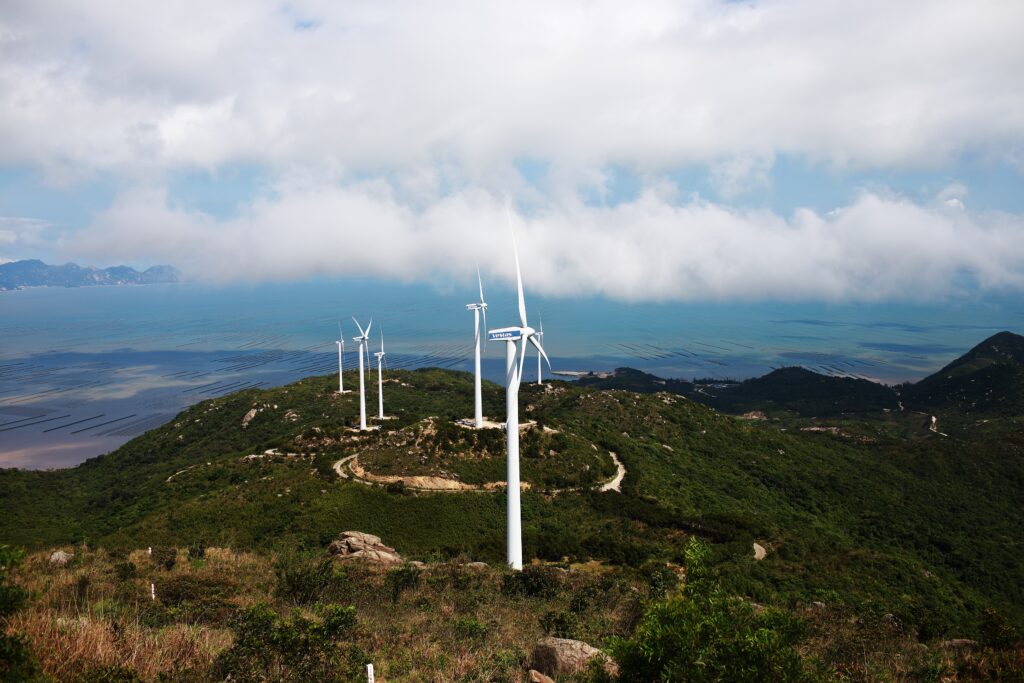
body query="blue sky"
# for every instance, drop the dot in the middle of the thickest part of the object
(693, 150)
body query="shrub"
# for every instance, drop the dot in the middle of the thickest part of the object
(268, 647)
(702, 634)
(165, 557)
(300, 582)
(200, 599)
(125, 571)
(533, 581)
(470, 628)
(197, 550)
(560, 624)
(401, 579)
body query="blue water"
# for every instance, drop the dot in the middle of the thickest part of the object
(83, 370)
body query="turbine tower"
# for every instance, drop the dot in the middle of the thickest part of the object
(380, 378)
(341, 353)
(363, 337)
(540, 338)
(513, 375)
(478, 408)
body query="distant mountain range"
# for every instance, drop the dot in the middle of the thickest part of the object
(35, 273)
(988, 379)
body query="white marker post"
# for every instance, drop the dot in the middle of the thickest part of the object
(152, 591)
(369, 673)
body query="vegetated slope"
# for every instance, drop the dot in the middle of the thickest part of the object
(987, 380)
(882, 525)
(35, 273)
(631, 379)
(804, 392)
(794, 390)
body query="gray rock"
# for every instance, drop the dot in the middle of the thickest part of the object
(536, 676)
(475, 565)
(59, 558)
(357, 546)
(555, 656)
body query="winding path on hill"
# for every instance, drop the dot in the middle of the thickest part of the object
(616, 483)
(442, 484)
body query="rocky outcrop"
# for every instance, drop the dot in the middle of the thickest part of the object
(536, 676)
(555, 656)
(59, 558)
(353, 546)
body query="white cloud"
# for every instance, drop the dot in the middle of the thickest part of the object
(443, 100)
(653, 248)
(650, 84)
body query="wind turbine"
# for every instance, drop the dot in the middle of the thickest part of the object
(341, 353)
(380, 378)
(363, 337)
(540, 338)
(513, 375)
(478, 412)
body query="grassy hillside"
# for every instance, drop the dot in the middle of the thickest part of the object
(871, 521)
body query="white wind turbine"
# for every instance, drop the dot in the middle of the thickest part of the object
(478, 411)
(513, 375)
(380, 378)
(540, 338)
(341, 367)
(362, 339)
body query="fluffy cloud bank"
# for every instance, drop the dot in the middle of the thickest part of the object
(443, 102)
(369, 85)
(652, 248)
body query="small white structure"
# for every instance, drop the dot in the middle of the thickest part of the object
(341, 362)
(380, 378)
(477, 308)
(363, 338)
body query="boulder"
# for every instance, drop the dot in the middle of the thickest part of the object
(536, 676)
(475, 565)
(59, 558)
(556, 656)
(353, 546)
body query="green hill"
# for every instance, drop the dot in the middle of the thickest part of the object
(987, 380)
(854, 519)
(803, 392)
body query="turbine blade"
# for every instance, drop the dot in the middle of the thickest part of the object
(485, 327)
(540, 349)
(359, 326)
(522, 359)
(368, 327)
(340, 335)
(480, 282)
(519, 274)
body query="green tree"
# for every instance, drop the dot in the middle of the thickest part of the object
(701, 635)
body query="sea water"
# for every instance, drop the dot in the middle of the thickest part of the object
(82, 370)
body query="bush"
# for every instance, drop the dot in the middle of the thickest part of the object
(268, 647)
(300, 582)
(17, 663)
(401, 579)
(165, 557)
(125, 571)
(470, 628)
(533, 581)
(200, 599)
(197, 550)
(702, 634)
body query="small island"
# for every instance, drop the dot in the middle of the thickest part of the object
(35, 273)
